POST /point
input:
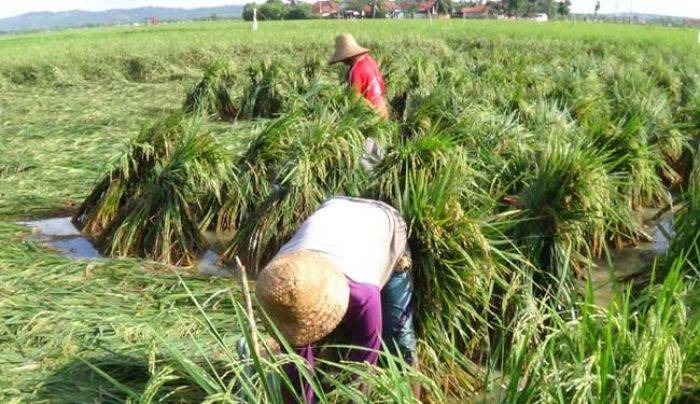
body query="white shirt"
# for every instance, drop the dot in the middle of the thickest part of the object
(365, 238)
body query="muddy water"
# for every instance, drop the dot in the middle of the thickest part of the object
(610, 274)
(60, 235)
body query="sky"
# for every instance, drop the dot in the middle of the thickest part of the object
(688, 8)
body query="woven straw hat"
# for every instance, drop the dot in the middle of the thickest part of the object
(305, 294)
(346, 47)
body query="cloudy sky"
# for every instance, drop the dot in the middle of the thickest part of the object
(690, 8)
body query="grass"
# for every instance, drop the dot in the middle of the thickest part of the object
(596, 124)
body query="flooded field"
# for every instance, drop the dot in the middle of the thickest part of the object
(60, 235)
(633, 262)
(608, 275)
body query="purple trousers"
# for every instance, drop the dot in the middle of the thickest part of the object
(363, 321)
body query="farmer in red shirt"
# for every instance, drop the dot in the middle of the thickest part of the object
(364, 75)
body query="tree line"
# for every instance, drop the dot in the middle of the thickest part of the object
(298, 10)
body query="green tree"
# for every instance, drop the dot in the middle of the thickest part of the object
(272, 10)
(564, 8)
(515, 5)
(355, 5)
(300, 11)
(443, 6)
(248, 11)
(277, 10)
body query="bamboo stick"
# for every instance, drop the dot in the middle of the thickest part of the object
(248, 306)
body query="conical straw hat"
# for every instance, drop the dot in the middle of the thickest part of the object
(346, 47)
(305, 295)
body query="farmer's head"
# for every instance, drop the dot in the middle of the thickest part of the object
(346, 50)
(305, 295)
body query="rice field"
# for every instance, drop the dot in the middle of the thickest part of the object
(522, 155)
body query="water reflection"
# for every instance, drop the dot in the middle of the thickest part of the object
(59, 234)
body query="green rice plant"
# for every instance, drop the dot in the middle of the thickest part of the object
(162, 222)
(634, 351)
(686, 226)
(271, 85)
(569, 210)
(464, 276)
(212, 95)
(124, 180)
(296, 163)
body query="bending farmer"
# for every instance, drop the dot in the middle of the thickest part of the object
(344, 269)
(364, 75)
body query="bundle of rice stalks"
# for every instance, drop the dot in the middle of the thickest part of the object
(151, 210)
(438, 109)
(688, 110)
(271, 84)
(585, 96)
(643, 112)
(213, 94)
(464, 276)
(570, 210)
(125, 178)
(635, 160)
(296, 163)
(313, 67)
(408, 79)
(685, 244)
(544, 117)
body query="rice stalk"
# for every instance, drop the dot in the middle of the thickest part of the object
(162, 221)
(213, 94)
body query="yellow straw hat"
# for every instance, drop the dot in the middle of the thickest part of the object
(346, 47)
(305, 295)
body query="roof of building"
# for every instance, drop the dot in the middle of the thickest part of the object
(385, 6)
(425, 6)
(478, 9)
(324, 7)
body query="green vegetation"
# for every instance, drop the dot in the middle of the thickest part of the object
(277, 10)
(520, 154)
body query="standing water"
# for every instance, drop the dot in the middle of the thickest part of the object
(60, 234)
(632, 262)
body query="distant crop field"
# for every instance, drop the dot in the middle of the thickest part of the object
(167, 51)
(549, 174)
